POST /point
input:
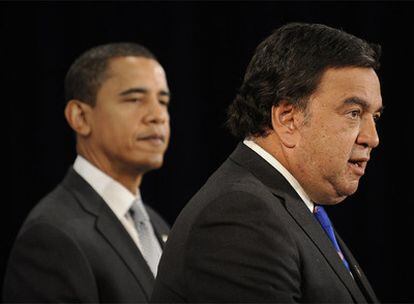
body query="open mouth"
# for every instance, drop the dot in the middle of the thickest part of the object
(358, 165)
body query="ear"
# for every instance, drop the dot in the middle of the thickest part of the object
(284, 123)
(76, 113)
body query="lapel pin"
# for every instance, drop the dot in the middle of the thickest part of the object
(357, 270)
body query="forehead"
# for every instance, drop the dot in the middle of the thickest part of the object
(133, 70)
(339, 84)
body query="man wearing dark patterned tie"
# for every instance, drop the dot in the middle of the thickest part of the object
(92, 239)
(256, 231)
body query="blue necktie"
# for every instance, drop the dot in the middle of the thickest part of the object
(326, 224)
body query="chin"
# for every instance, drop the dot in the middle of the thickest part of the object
(332, 200)
(343, 193)
(337, 193)
(337, 200)
(150, 165)
(352, 188)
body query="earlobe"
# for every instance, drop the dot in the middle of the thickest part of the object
(283, 123)
(76, 116)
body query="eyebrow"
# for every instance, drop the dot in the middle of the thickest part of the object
(361, 102)
(143, 91)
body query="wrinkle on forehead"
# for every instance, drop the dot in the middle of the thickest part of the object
(341, 84)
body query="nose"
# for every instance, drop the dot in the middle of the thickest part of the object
(157, 113)
(368, 135)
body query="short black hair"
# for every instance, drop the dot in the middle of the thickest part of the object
(288, 65)
(87, 72)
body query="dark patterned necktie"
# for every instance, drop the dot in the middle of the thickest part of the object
(326, 224)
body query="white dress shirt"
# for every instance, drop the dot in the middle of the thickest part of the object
(282, 170)
(115, 195)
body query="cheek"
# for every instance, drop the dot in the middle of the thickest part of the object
(338, 151)
(116, 129)
(329, 148)
(117, 133)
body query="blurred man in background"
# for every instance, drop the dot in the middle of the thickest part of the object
(92, 239)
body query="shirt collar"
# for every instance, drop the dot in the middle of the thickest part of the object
(282, 170)
(118, 198)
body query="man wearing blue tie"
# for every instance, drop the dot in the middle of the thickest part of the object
(257, 230)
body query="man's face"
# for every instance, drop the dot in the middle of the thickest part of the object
(130, 120)
(339, 133)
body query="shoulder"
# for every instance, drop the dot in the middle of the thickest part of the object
(45, 232)
(239, 206)
(59, 213)
(233, 196)
(232, 188)
(53, 206)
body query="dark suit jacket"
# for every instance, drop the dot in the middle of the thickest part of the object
(72, 248)
(246, 236)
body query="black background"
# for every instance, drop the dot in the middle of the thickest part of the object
(204, 48)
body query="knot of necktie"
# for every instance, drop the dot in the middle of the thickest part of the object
(138, 212)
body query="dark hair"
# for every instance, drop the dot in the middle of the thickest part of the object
(88, 71)
(288, 65)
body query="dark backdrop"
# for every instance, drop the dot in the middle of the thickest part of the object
(205, 48)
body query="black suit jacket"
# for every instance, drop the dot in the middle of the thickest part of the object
(246, 236)
(72, 248)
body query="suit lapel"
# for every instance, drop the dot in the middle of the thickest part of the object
(281, 188)
(160, 228)
(358, 274)
(121, 242)
(160, 237)
(312, 228)
(109, 226)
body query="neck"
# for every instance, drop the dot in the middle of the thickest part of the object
(272, 145)
(123, 174)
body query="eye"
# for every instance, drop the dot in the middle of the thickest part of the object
(377, 117)
(355, 114)
(134, 99)
(164, 102)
